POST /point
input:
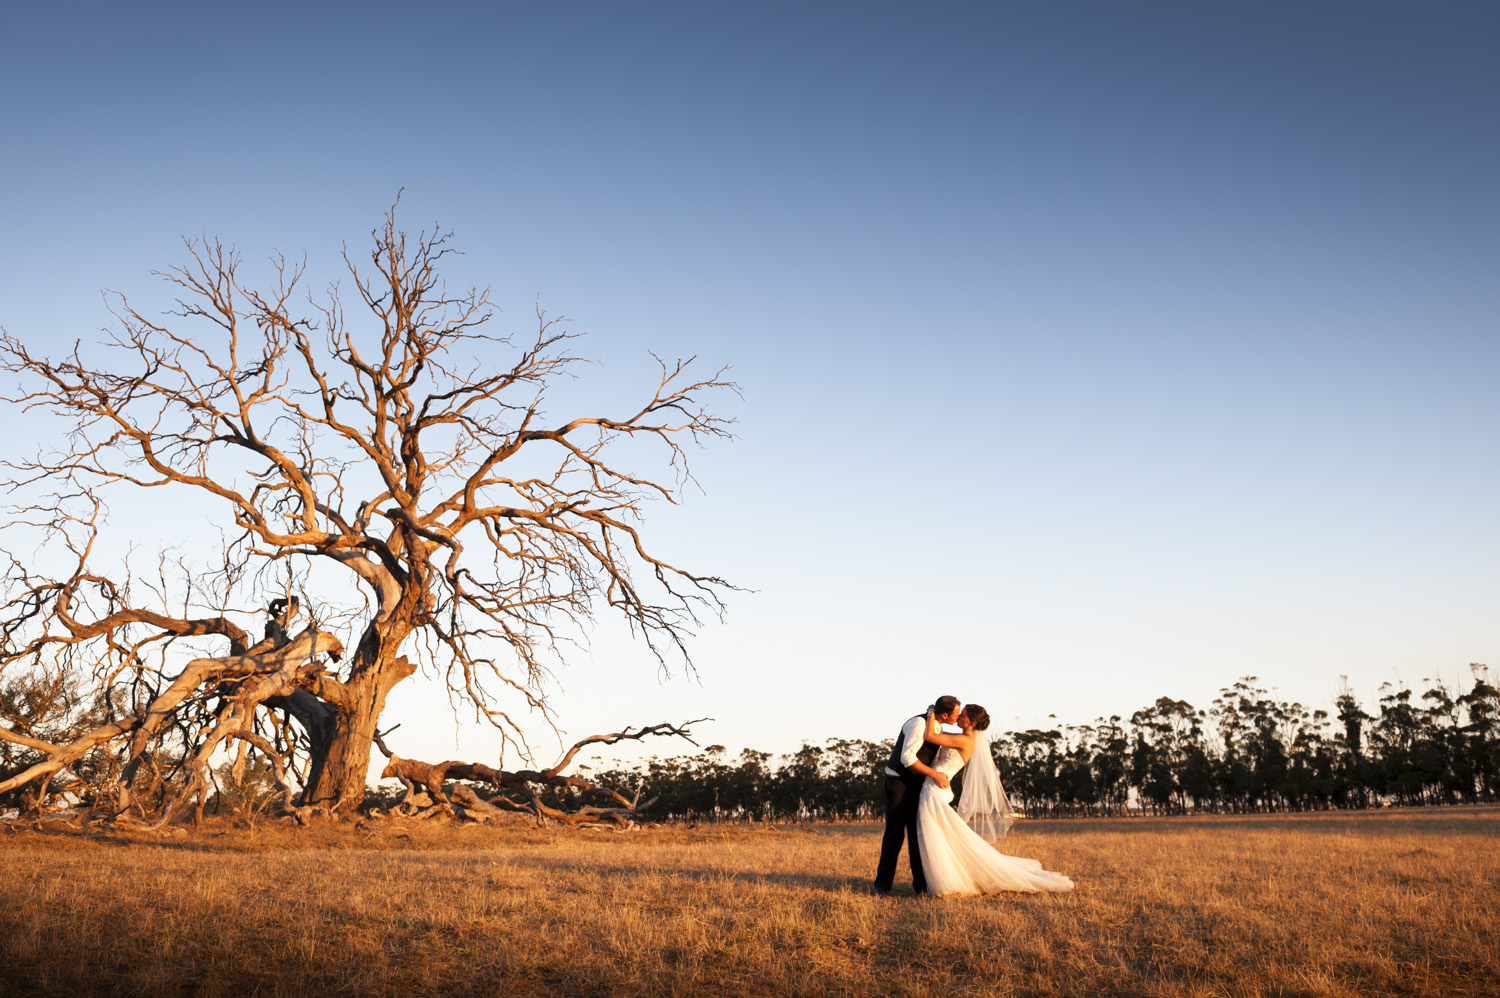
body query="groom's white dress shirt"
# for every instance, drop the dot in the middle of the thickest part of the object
(911, 740)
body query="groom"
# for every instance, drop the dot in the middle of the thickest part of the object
(909, 765)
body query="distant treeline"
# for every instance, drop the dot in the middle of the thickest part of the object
(1247, 752)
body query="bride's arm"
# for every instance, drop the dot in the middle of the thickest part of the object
(918, 766)
(936, 737)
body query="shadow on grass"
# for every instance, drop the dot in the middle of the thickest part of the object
(856, 882)
(622, 872)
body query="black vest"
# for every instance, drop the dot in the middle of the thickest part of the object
(925, 754)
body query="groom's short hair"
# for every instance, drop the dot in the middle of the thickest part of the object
(945, 705)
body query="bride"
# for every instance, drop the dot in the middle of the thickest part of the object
(955, 845)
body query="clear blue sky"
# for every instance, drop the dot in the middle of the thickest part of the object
(1092, 352)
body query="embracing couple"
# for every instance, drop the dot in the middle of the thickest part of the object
(949, 848)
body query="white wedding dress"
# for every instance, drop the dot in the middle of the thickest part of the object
(955, 859)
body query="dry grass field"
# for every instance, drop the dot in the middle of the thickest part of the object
(1369, 904)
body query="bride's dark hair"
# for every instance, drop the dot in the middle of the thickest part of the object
(978, 715)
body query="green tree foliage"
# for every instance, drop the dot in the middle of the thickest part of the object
(1248, 751)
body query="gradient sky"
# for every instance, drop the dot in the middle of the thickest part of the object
(1091, 352)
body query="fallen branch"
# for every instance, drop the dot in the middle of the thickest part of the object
(529, 784)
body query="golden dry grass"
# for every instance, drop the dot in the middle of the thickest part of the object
(1335, 905)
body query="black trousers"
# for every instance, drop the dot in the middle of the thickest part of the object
(900, 826)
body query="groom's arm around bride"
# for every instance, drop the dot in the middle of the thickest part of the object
(910, 763)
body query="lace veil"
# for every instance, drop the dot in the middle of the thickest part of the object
(984, 806)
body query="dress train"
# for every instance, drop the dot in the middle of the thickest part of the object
(956, 860)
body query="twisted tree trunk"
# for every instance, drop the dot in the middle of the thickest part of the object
(342, 743)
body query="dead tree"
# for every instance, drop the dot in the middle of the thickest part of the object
(428, 791)
(411, 451)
